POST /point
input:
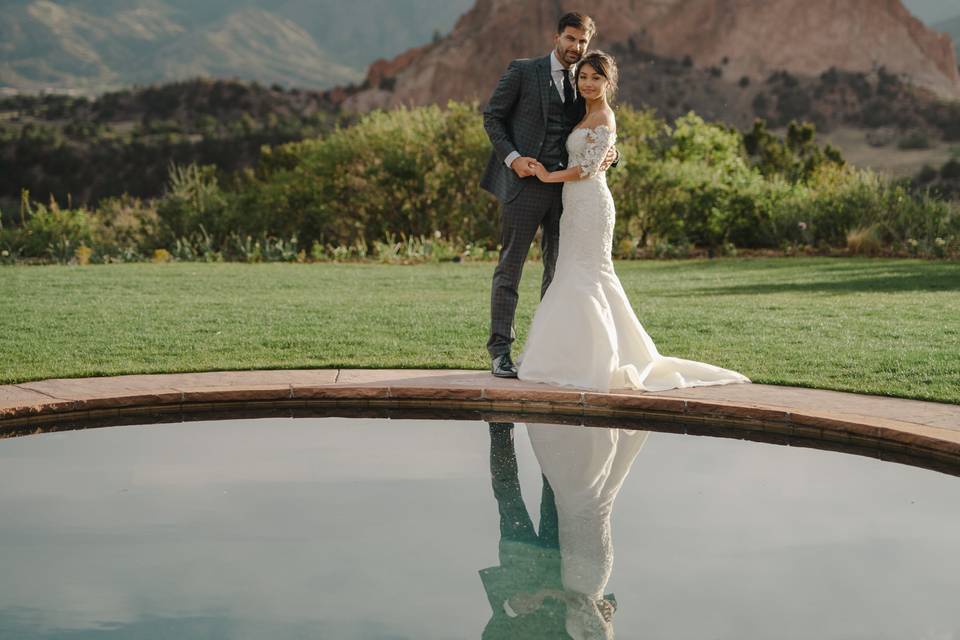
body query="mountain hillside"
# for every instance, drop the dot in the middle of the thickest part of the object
(124, 141)
(744, 39)
(96, 45)
(252, 44)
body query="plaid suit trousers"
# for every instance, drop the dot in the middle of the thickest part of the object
(538, 204)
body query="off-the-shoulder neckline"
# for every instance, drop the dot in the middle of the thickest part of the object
(596, 128)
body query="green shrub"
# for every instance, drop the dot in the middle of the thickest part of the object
(49, 232)
(693, 185)
(838, 200)
(795, 158)
(915, 139)
(123, 227)
(403, 186)
(414, 171)
(193, 198)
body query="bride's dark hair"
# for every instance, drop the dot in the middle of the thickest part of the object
(604, 64)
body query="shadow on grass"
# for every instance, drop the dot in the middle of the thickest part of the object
(886, 278)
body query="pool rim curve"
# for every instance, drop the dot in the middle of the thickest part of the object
(923, 434)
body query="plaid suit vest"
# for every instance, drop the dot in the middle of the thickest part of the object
(554, 152)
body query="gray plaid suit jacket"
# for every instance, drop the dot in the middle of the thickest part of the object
(516, 120)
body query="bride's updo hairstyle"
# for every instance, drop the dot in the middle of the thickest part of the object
(604, 64)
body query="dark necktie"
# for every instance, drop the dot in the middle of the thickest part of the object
(569, 101)
(567, 89)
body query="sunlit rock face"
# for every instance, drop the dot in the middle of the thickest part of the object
(748, 37)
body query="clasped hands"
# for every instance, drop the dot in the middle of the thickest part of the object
(525, 166)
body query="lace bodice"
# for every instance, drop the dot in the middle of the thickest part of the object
(586, 226)
(588, 146)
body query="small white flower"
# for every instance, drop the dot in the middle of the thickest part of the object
(437, 235)
(802, 226)
(5, 253)
(939, 242)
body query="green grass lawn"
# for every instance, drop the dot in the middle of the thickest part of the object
(879, 326)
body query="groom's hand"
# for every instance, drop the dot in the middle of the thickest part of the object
(523, 166)
(609, 159)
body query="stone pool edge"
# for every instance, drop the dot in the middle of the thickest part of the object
(909, 426)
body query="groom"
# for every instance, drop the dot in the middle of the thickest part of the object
(528, 118)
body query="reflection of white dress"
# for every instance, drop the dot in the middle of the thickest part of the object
(584, 333)
(586, 467)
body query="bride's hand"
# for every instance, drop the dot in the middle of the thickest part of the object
(540, 171)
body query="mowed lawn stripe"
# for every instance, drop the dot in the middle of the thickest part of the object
(875, 326)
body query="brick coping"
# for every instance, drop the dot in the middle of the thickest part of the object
(886, 427)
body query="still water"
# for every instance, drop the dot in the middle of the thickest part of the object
(387, 529)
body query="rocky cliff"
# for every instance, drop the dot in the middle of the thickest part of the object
(743, 38)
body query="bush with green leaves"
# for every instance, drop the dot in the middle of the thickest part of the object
(840, 199)
(414, 171)
(47, 232)
(193, 198)
(413, 174)
(125, 225)
(715, 196)
(796, 157)
(691, 184)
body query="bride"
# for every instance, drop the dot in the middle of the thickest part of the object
(584, 333)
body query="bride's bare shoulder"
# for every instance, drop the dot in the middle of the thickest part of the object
(608, 119)
(601, 120)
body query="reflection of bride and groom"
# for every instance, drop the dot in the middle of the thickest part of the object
(550, 583)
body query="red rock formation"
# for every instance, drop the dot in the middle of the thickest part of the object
(753, 37)
(808, 37)
(382, 69)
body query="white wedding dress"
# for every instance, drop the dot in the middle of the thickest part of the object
(584, 333)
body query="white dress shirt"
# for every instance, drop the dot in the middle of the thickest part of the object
(556, 71)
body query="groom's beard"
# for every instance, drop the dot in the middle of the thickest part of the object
(569, 56)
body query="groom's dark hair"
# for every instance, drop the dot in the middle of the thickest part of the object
(577, 21)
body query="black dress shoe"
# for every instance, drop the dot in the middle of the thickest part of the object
(503, 367)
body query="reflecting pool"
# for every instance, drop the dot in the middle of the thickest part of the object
(365, 528)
